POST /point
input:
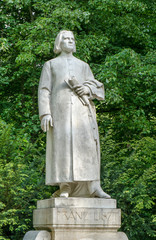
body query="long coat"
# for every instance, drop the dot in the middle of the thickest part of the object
(72, 148)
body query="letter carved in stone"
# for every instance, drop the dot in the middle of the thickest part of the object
(75, 215)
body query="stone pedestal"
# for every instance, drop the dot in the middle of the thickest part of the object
(79, 218)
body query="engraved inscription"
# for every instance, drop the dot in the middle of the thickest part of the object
(90, 216)
(100, 216)
(107, 218)
(75, 215)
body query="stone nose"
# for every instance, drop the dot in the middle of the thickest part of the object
(71, 40)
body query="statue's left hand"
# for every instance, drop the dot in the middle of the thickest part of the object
(81, 90)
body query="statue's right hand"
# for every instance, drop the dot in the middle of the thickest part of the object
(45, 122)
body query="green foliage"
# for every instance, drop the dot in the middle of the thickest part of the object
(129, 174)
(117, 39)
(22, 175)
(130, 91)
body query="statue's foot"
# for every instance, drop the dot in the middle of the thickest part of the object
(101, 194)
(95, 190)
(64, 194)
(58, 194)
(65, 190)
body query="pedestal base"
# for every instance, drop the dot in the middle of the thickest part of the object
(80, 234)
(79, 219)
(37, 235)
(106, 236)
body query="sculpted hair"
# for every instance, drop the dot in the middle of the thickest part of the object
(57, 47)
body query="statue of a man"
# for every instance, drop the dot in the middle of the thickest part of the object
(67, 113)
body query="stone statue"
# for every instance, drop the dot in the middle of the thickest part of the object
(67, 113)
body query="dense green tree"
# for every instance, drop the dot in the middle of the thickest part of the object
(129, 174)
(21, 177)
(117, 39)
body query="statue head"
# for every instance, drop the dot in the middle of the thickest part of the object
(61, 39)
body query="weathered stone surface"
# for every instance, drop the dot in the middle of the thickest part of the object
(76, 202)
(75, 217)
(77, 213)
(37, 235)
(88, 235)
(79, 218)
(106, 236)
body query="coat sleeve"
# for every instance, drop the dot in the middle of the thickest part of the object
(44, 90)
(96, 88)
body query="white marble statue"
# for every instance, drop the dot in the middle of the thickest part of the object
(67, 113)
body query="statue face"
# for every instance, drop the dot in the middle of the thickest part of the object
(67, 42)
